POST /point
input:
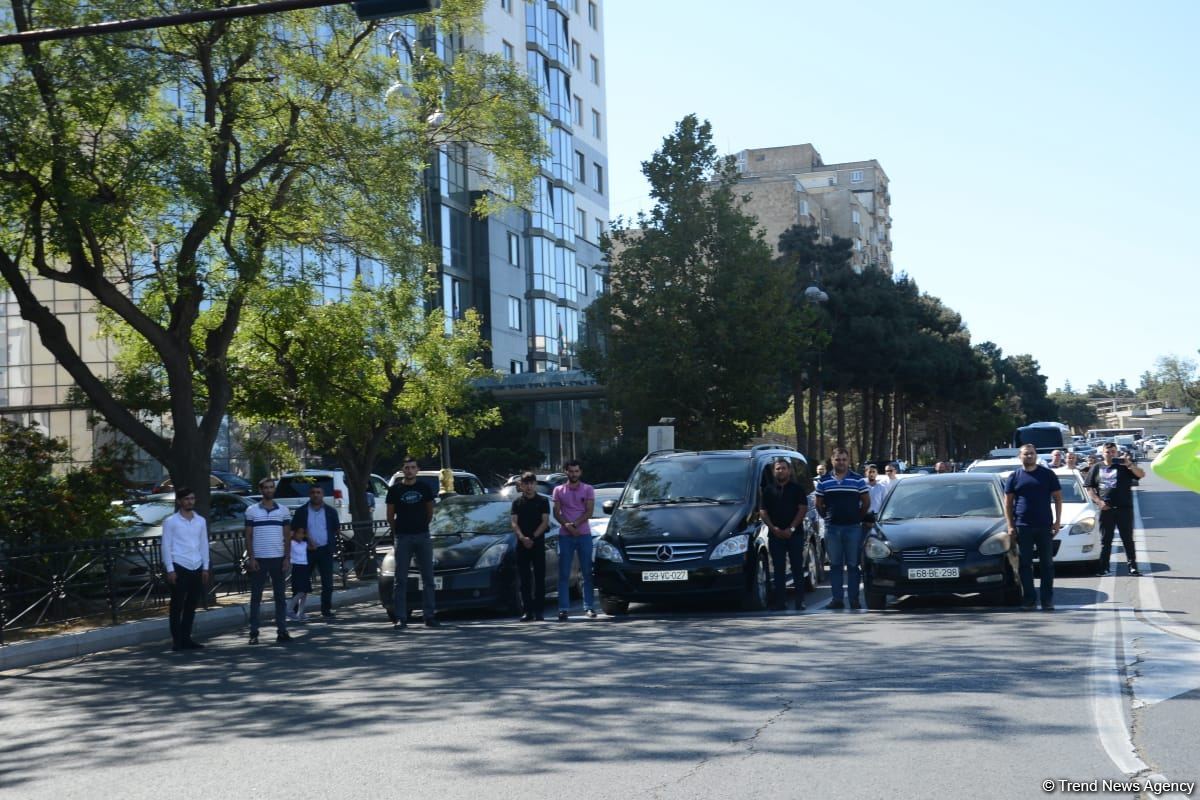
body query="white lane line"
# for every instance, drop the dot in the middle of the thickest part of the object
(1107, 685)
(1150, 606)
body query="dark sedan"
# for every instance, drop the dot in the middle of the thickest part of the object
(474, 558)
(942, 534)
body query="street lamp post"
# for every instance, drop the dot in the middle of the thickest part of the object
(817, 296)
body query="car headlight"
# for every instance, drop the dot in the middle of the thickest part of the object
(1085, 525)
(877, 549)
(493, 555)
(608, 552)
(996, 544)
(733, 546)
(388, 568)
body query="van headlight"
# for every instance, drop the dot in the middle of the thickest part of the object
(388, 568)
(493, 555)
(996, 544)
(877, 549)
(1085, 525)
(733, 546)
(608, 552)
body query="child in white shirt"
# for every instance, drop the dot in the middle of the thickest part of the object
(301, 576)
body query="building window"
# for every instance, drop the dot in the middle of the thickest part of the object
(599, 229)
(577, 111)
(581, 223)
(855, 217)
(509, 53)
(514, 313)
(593, 16)
(598, 178)
(576, 54)
(516, 367)
(856, 176)
(506, 5)
(575, 6)
(582, 279)
(595, 69)
(804, 207)
(595, 123)
(514, 249)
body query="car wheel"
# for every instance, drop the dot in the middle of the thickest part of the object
(1011, 596)
(876, 601)
(613, 606)
(758, 594)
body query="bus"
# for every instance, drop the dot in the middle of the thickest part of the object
(1111, 434)
(1046, 437)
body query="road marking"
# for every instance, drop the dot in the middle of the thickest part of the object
(1150, 606)
(1107, 684)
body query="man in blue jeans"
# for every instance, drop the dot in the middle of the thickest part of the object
(1027, 495)
(409, 512)
(573, 503)
(844, 500)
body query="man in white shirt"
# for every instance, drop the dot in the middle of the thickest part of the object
(876, 489)
(185, 558)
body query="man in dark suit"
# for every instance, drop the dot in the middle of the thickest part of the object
(321, 524)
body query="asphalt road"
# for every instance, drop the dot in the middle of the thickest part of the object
(937, 699)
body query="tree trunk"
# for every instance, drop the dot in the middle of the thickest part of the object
(840, 405)
(815, 449)
(357, 465)
(798, 411)
(864, 424)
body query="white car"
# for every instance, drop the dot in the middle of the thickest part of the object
(598, 522)
(1079, 539)
(1001, 466)
(291, 491)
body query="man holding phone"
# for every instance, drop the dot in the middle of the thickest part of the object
(1110, 484)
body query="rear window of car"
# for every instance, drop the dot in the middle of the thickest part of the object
(298, 485)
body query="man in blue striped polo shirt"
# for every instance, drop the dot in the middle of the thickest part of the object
(268, 531)
(843, 499)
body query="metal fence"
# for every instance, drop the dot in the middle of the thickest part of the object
(109, 579)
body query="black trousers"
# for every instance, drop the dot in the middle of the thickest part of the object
(322, 558)
(186, 594)
(531, 571)
(783, 550)
(1119, 519)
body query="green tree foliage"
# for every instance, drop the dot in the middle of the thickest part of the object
(172, 174)
(1176, 381)
(697, 324)
(499, 451)
(356, 376)
(46, 499)
(1075, 410)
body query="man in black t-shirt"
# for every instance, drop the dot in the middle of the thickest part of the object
(1110, 483)
(783, 508)
(409, 510)
(530, 520)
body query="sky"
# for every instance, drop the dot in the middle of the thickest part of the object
(1042, 156)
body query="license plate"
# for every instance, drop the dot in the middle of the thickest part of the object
(437, 583)
(932, 572)
(665, 575)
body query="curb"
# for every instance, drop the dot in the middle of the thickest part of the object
(128, 634)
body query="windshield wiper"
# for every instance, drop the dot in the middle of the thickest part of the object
(699, 499)
(670, 501)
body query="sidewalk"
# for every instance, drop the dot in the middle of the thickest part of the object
(127, 634)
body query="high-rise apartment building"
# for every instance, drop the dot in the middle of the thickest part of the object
(530, 273)
(792, 185)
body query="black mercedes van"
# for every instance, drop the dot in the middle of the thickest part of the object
(687, 526)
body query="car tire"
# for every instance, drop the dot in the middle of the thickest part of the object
(1011, 596)
(613, 606)
(757, 596)
(876, 601)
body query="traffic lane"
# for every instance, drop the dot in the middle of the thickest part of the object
(1170, 516)
(634, 705)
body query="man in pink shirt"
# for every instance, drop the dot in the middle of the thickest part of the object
(573, 503)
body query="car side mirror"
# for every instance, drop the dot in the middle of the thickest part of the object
(609, 506)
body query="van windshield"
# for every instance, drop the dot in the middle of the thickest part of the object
(684, 479)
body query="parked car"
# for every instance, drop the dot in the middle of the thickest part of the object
(464, 482)
(687, 526)
(291, 491)
(997, 466)
(218, 481)
(226, 515)
(942, 534)
(474, 558)
(545, 483)
(598, 523)
(1078, 541)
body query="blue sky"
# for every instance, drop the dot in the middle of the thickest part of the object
(1043, 157)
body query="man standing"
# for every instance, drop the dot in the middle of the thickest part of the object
(1073, 461)
(409, 511)
(1056, 459)
(876, 489)
(185, 558)
(320, 523)
(782, 510)
(573, 503)
(941, 468)
(530, 520)
(843, 499)
(1027, 495)
(889, 473)
(268, 535)
(1110, 483)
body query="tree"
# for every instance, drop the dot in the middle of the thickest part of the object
(1075, 410)
(356, 376)
(697, 325)
(170, 175)
(47, 499)
(1178, 384)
